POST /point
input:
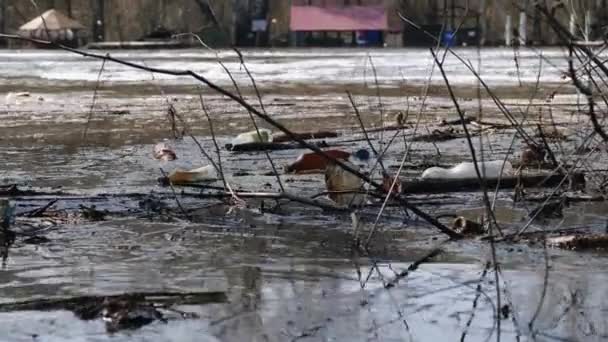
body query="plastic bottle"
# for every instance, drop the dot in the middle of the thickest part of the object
(466, 170)
(265, 136)
(202, 174)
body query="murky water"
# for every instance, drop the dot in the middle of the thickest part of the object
(290, 272)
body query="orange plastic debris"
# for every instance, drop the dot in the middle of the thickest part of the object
(314, 162)
(202, 174)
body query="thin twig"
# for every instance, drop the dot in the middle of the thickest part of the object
(175, 195)
(480, 173)
(212, 132)
(90, 116)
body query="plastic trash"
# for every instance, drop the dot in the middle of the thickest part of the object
(532, 156)
(202, 174)
(12, 98)
(164, 152)
(265, 136)
(466, 170)
(361, 158)
(314, 162)
(361, 155)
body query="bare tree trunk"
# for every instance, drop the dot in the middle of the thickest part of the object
(538, 34)
(2, 15)
(161, 15)
(482, 22)
(207, 11)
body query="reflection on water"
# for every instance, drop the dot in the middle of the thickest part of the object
(278, 303)
(279, 290)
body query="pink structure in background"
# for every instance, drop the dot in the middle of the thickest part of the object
(345, 18)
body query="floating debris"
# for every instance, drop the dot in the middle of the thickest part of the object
(532, 156)
(555, 133)
(361, 156)
(264, 136)
(92, 214)
(579, 242)
(120, 112)
(490, 169)
(10, 190)
(36, 240)
(314, 162)
(458, 121)
(438, 185)
(164, 152)
(399, 120)
(439, 135)
(550, 210)
(122, 311)
(344, 188)
(202, 174)
(467, 227)
(273, 146)
(128, 313)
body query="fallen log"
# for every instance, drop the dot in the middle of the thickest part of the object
(271, 146)
(12, 190)
(579, 242)
(458, 121)
(438, 136)
(420, 186)
(89, 307)
(266, 195)
(279, 138)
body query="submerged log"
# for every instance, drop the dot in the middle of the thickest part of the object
(13, 190)
(458, 121)
(472, 184)
(579, 242)
(89, 307)
(272, 146)
(439, 135)
(305, 136)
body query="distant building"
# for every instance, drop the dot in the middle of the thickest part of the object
(55, 26)
(343, 23)
(322, 22)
